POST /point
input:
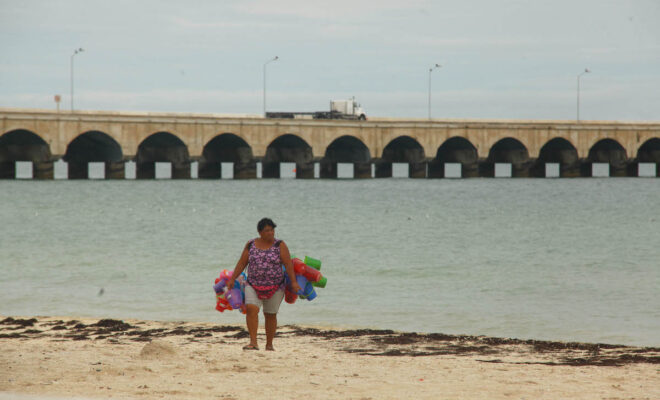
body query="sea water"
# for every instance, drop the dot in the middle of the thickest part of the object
(559, 259)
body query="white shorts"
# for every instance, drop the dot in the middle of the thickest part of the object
(271, 306)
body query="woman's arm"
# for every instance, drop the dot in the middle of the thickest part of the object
(288, 265)
(240, 265)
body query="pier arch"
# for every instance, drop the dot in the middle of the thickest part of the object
(649, 151)
(403, 149)
(162, 147)
(510, 151)
(227, 147)
(24, 145)
(562, 152)
(94, 146)
(346, 149)
(288, 148)
(459, 150)
(607, 151)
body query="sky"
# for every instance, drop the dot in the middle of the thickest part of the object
(500, 59)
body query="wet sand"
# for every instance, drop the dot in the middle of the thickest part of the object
(51, 357)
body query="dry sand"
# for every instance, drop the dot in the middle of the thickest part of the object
(49, 357)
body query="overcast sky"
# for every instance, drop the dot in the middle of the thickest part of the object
(500, 59)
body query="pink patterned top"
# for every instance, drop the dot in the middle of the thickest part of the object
(265, 272)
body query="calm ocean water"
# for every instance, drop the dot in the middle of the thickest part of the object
(562, 259)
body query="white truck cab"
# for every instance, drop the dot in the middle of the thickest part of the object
(348, 107)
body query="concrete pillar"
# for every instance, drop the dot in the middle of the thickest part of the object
(181, 170)
(362, 170)
(78, 170)
(632, 169)
(470, 170)
(211, 170)
(570, 170)
(115, 170)
(270, 169)
(657, 170)
(8, 170)
(585, 168)
(246, 170)
(328, 170)
(436, 169)
(619, 170)
(537, 170)
(43, 170)
(383, 169)
(486, 169)
(305, 170)
(417, 170)
(145, 170)
(521, 170)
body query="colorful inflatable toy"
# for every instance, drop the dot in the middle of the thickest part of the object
(233, 299)
(308, 275)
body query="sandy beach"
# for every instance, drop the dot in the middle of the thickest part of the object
(49, 357)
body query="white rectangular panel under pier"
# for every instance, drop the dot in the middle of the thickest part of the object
(502, 170)
(646, 170)
(60, 169)
(194, 170)
(24, 170)
(345, 170)
(259, 169)
(96, 170)
(227, 170)
(552, 170)
(130, 170)
(600, 170)
(287, 170)
(453, 170)
(163, 170)
(400, 170)
(317, 170)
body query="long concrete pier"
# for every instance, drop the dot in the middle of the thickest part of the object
(477, 147)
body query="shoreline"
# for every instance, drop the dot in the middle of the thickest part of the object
(91, 357)
(335, 327)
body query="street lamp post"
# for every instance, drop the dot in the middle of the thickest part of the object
(431, 70)
(266, 63)
(586, 71)
(76, 51)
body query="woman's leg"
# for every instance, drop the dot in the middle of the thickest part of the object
(252, 321)
(271, 306)
(271, 328)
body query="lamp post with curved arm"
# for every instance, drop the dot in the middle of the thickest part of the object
(431, 70)
(266, 63)
(76, 51)
(586, 71)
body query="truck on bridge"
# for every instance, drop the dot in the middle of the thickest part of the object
(339, 109)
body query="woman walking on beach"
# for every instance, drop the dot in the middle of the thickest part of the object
(264, 257)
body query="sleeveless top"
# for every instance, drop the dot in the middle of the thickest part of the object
(265, 273)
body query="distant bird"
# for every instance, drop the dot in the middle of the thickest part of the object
(101, 292)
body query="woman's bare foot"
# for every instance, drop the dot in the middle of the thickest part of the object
(270, 348)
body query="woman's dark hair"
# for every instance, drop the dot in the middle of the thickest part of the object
(264, 223)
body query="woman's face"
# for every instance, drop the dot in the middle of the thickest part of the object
(267, 234)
